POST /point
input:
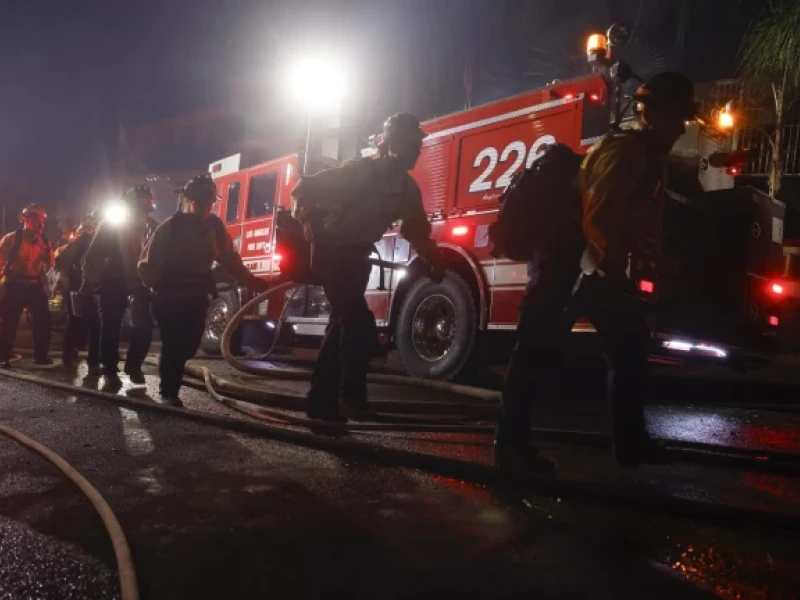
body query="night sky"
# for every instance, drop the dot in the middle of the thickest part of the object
(73, 70)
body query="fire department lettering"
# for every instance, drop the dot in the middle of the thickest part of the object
(263, 232)
(518, 150)
(253, 246)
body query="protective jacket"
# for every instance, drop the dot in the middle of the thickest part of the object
(178, 258)
(110, 263)
(360, 200)
(69, 261)
(24, 256)
(620, 179)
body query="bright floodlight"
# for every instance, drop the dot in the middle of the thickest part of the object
(116, 213)
(318, 82)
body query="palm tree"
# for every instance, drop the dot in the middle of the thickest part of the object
(770, 64)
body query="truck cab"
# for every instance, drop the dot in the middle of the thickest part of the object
(249, 199)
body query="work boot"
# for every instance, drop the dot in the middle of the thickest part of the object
(135, 374)
(43, 362)
(112, 378)
(326, 415)
(68, 358)
(324, 410)
(522, 458)
(171, 400)
(358, 411)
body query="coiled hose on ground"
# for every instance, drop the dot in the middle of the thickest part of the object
(304, 374)
(129, 589)
(605, 494)
(276, 425)
(489, 409)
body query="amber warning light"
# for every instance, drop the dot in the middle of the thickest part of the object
(597, 50)
(596, 44)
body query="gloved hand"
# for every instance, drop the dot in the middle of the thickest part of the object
(258, 286)
(437, 266)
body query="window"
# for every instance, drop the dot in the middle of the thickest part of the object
(232, 209)
(262, 195)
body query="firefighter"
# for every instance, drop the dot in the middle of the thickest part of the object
(345, 211)
(619, 181)
(176, 264)
(83, 330)
(110, 273)
(25, 257)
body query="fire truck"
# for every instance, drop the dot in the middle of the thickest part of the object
(703, 252)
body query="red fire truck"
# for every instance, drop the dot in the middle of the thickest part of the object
(467, 160)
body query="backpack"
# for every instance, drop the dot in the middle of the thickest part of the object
(537, 203)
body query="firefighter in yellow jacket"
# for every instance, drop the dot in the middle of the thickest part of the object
(620, 180)
(345, 211)
(176, 264)
(25, 257)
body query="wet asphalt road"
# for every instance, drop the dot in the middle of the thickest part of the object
(214, 514)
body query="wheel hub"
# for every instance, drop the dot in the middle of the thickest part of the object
(433, 327)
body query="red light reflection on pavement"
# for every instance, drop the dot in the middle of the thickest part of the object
(774, 436)
(777, 486)
(727, 574)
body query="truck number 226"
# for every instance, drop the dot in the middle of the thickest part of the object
(519, 150)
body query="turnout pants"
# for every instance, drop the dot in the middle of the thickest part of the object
(545, 319)
(181, 322)
(112, 310)
(18, 296)
(341, 367)
(83, 331)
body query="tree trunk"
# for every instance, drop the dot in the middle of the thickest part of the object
(775, 175)
(775, 165)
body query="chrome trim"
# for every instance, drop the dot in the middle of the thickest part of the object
(309, 329)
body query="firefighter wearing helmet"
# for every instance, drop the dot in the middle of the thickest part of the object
(176, 264)
(83, 328)
(25, 257)
(619, 179)
(345, 211)
(110, 273)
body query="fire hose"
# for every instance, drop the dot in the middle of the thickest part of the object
(304, 374)
(775, 462)
(276, 425)
(605, 494)
(127, 573)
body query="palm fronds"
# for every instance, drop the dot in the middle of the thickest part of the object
(770, 50)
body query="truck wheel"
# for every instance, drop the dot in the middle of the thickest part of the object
(437, 327)
(220, 311)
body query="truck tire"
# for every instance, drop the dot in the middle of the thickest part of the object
(437, 328)
(220, 311)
